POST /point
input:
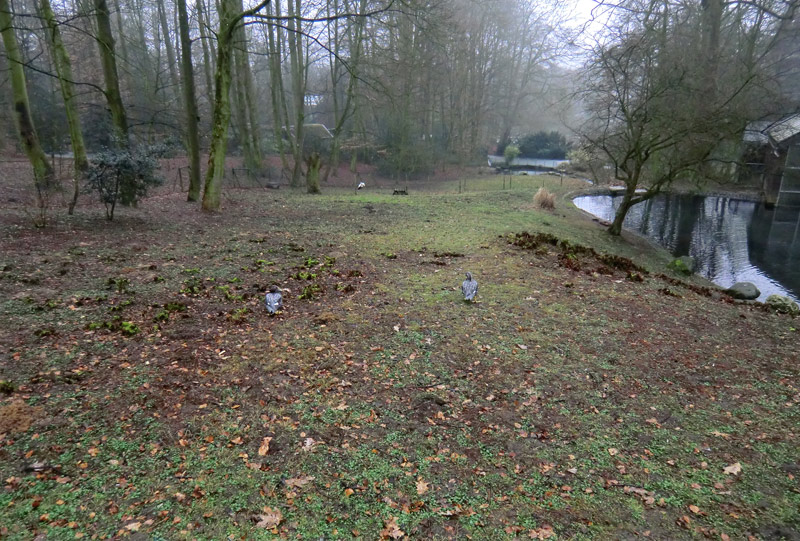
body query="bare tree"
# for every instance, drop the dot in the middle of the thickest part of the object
(653, 114)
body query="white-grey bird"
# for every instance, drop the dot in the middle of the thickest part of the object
(469, 288)
(361, 185)
(273, 300)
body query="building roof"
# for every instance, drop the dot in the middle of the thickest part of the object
(772, 132)
(317, 130)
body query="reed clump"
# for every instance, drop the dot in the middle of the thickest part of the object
(544, 199)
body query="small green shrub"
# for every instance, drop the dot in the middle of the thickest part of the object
(310, 292)
(239, 315)
(120, 306)
(47, 331)
(228, 295)
(175, 307)
(122, 176)
(122, 285)
(192, 286)
(128, 328)
(679, 266)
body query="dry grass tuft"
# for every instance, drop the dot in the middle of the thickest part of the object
(544, 199)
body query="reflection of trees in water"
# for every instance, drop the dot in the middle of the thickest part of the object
(731, 240)
(723, 235)
(778, 251)
(723, 239)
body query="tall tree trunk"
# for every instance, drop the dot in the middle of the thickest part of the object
(240, 106)
(278, 98)
(298, 67)
(123, 48)
(615, 228)
(64, 70)
(712, 25)
(313, 163)
(42, 170)
(190, 103)
(207, 56)
(172, 63)
(251, 103)
(229, 17)
(222, 108)
(105, 41)
(252, 157)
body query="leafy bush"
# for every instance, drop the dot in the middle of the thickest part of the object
(510, 153)
(123, 176)
(543, 145)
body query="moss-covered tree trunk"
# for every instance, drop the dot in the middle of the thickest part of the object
(42, 170)
(63, 67)
(229, 17)
(222, 109)
(105, 41)
(313, 165)
(616, 226)
(190, 103)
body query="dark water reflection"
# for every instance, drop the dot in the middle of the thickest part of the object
(732, 240)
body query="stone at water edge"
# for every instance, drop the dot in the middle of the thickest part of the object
(683, 265)
(743, 290)
(782, 304)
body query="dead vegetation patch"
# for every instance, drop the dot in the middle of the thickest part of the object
(17, 417)
(577, 257)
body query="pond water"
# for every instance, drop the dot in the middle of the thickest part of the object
(500, 161)
(732, 240)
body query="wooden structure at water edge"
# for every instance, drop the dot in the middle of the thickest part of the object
(772, 152)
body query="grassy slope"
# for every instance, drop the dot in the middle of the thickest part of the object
(570, 401)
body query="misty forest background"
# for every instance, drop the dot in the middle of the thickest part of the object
(651, 91)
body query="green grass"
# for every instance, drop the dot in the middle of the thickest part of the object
(576, 400)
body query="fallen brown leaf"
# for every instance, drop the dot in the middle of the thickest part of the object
(545, 532)
(297, 482)
(391, 529)
(733, 469)
(264, 449)
(270, 518)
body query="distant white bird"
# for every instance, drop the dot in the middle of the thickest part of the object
(273, 300)
(361, 185)
(469, 288)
